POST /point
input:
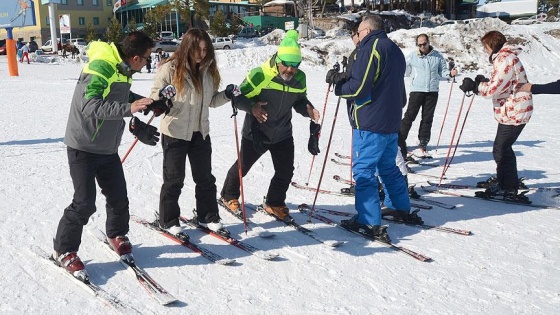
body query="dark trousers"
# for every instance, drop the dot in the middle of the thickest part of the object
(426, 101)
(506, 163)
(282, 154)
(85, 169)
(175, 152)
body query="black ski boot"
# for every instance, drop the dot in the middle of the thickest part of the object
(351, 191)
(375, 231)
(402, 216)
(487, 183)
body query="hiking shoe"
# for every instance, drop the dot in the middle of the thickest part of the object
(281, 212)
(120, 244)
(177, 231)
(71, 263)
(487, 183)
(231, 205)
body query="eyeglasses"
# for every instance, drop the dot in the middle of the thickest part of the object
(290, 64)
(423, 44)
(359, 31)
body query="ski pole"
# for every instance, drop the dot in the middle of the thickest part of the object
(335, 67)
(444, 115)
(322, 119)
(239, 165)
(452, 139)
(325, 162)
(135, 141)
(168, 92)
(460, 133)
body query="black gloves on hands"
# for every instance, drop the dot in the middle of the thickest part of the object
(472, 86)
(162, 106)
(480, 78)
(314, 132)
(469, 86)
(145, 133)
(232, 91)
(333, 76)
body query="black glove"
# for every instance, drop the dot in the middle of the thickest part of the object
(259, 137)
(314, 133)
(332, 76)
(162, 106)
(469, 85)
(480, 78)
(145, 133)
(232, 91)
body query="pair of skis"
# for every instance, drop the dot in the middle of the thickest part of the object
(347, 193)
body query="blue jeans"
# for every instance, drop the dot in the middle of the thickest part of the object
(377, 152)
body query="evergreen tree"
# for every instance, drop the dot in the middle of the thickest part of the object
(114, 31)
(91, 35)
(202, 10)
(218, 26)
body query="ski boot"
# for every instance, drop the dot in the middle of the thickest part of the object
(377, 232)
(72, 264)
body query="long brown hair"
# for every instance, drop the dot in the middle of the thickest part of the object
(494, 40)
(185, 65)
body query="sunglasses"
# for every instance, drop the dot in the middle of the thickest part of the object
(290, 64)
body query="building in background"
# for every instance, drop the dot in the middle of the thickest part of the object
(96, 13)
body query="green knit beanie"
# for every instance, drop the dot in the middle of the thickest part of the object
(289, 49)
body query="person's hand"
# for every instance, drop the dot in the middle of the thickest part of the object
(313, 113)
(259, 112)
(523, 87)
(453, 72)
(314, 133)
(162, 106)
(232, 91)
(145, 133)
(140, 105)
(332, 76)
(468, 85)
(480, 78)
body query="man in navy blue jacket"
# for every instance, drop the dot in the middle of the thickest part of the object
(375, 90)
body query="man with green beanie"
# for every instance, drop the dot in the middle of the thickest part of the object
(269, 93)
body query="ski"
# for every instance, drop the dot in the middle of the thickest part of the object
(154, 289)
(342, 156)
(434, 190)
(337, 162)
(343, 180)
(435, 203)
(299, 228)
(213, 257)
(256, 230)
(305, 209)
(457, 186)
(329, 192)
(86, 284)
(230, 240)
(423, 226)
(413, 172)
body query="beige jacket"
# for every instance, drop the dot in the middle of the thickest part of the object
(189, 113)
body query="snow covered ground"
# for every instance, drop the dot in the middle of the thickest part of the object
(508, 266)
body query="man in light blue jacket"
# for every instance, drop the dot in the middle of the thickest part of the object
(427, 67)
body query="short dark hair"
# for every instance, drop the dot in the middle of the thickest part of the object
(422, 35)
(495, 40)
(136, 44)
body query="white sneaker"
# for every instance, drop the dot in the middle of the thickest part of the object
(176, 229)
(213, 226)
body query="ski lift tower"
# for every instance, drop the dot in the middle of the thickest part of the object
(23, 14)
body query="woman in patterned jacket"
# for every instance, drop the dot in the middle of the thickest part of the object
(512, 109)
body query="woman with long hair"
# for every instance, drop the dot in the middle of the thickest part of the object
(193, 70)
